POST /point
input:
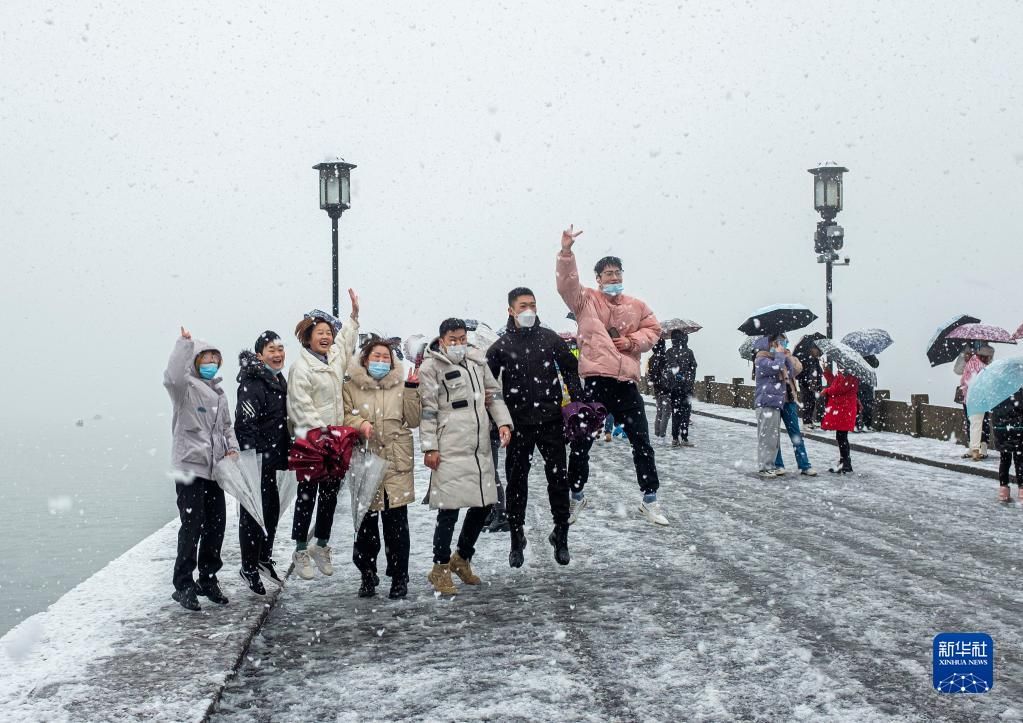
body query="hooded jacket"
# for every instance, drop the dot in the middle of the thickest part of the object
(314, 388)
(679, 370)
(595, 313)
(768, 368)
(393, 408)
(840, 412)
(201, 421)
(456, 401)
(261, 414)
(527, 362)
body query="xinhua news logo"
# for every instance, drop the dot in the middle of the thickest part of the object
(964, 663)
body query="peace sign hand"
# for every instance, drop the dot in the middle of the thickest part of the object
(568, 237)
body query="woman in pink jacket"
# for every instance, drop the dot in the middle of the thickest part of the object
(614, 330)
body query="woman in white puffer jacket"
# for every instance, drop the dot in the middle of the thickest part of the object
(314, 402)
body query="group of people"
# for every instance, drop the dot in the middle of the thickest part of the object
(1005, 420)
(455, 397)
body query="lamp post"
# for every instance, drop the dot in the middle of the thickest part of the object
(829, 237)
(335, 198)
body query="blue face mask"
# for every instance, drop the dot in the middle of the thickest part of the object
(612, 289)
(785, 344)
(208, 371)
(379, 370)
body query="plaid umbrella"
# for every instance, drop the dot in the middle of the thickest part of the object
(322, 453)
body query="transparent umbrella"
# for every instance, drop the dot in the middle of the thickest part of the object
(240, 478)
(365, 473)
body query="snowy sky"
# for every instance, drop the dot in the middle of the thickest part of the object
(155, 170)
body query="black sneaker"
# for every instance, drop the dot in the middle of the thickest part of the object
(517, 556)
(399, 589)
(559, 540)
(269, 568)
(252, 580)
(187, 599)
(211, 591)
(369, 584)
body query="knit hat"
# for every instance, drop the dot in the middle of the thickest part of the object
(267, 337)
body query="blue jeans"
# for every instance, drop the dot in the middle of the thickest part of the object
(790, 418)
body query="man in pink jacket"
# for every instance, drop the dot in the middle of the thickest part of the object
(614, 330)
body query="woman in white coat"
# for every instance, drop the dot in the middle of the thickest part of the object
(315, 385)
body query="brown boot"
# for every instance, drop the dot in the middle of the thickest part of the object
(440, 578)
(460, 566)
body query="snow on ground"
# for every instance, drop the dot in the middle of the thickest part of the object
(946, 451)
(792, 599)
(117, 647)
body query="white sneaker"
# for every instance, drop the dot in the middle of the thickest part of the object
(321, 556)
(780, 472)
(574, 508)
(652, 511)
(809, 472)
(768, 473)
(303, 565)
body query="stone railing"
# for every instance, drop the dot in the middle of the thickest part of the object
(917, 417)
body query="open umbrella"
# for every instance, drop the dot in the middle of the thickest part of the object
(687, 326)
(868, 342)
(583, 419)
(746, 350)
(365, 473)
(982, 332)
(995, 383)
(803, 345)
(940, 349)
(240, 478)
(322, 453)
(848, 359)
(777, 319)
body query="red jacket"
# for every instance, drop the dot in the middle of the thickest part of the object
(840, 413)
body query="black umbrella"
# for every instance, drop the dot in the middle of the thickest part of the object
(803, 347)
(943, 350)
(777, 319)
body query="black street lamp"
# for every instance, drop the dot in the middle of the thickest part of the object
(335, 198)
(830, 237)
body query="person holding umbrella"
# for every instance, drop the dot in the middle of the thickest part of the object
(315, 385)
(261, 423)
(773, 372)
(842, 404)
(459, 394)
(384, 407)
(978, 426)
(1007, 423)
(203, 435)
(614, 331)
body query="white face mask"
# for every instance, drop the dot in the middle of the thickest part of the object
(526, 318)
(456, 352)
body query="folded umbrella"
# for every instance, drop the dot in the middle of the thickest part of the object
(583, 419)
(995, 383)
(848, 359)
(868, 342)
(982, 332)
(287, 489)
(777, 319)
(365, 474)
(686, 326)
(322, 453)
(941, 349)
(240, 478)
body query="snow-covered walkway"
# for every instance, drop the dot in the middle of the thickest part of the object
(801, 598)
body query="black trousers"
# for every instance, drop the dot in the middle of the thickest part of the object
(321, 494)
(203, 519)
(681, 412)
(549, 438)
(865, 417)
(396, 542)
(808, 398)
(843, 448)
(1010, 459)
(445, 530)
(623, 400)
(256, 546)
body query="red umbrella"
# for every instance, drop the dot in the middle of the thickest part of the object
(322, 453)
(981, 332)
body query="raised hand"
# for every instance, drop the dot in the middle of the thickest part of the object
(568, 237)
(185, 333)
(413, 375)
(355, 303)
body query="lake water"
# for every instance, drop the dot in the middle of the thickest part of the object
(74, 498)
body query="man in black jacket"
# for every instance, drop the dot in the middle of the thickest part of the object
(679, 378)
(261, 423)
(527, 359)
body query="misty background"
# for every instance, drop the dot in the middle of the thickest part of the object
(155, 170)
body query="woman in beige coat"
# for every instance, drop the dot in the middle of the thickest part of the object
(383, 410)
(458, 393)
